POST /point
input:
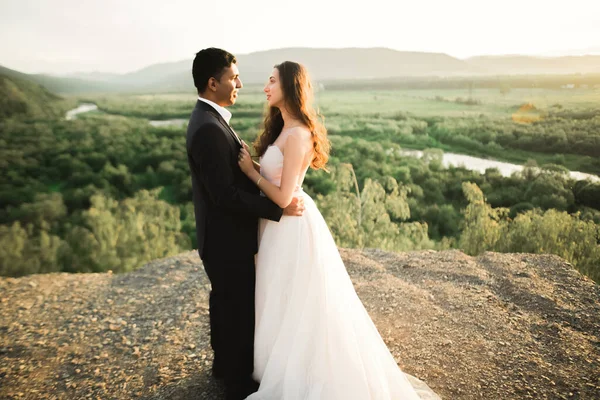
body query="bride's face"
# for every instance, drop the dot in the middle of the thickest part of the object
(273, 90)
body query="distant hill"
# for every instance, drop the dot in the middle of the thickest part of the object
(91, 76)
(572, 52)
(64, 84)
(24, 98)
(157, 73)
(325, 65)
(354, 63)
(513, 65)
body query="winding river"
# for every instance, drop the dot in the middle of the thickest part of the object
(83, 108)
(481, 164)
(469, 162)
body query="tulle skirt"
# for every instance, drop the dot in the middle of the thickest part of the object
(314, 339)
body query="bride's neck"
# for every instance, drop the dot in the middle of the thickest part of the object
(288, 120)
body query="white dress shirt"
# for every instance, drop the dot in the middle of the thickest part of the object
(225, 113)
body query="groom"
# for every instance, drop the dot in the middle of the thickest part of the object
(227, 206)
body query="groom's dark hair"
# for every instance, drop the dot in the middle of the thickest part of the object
(210, 63)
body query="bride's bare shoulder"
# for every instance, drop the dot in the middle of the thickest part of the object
(301, 135)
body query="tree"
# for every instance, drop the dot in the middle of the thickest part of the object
(371, 217)
(121, 236)
(26, 251)
(535, 231)
(481, 226)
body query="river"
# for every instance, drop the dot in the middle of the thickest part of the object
(469, 162)
(83, 108)
(481, 164)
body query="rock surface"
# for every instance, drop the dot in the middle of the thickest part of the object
(497, 326)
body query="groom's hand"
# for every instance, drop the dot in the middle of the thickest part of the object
(296, 207)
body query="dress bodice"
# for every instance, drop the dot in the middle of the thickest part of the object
(271, 167)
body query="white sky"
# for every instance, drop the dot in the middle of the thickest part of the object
(62, 36)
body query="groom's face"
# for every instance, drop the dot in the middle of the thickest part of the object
(228, 86)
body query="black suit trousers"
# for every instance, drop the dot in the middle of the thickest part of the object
(231, 308)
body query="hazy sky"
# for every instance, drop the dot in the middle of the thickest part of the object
(61, 36)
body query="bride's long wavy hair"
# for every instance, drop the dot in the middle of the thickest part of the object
(298, 97)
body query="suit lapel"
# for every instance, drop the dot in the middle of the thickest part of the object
(229, 129)
(218, 116)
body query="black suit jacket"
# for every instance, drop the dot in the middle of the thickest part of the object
(227, 204)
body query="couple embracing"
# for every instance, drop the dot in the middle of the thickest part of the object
(286, 322)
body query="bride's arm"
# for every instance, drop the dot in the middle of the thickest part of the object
(294, 150)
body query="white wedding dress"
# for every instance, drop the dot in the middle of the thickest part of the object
(314, 339)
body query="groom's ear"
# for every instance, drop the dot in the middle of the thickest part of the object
(212, 84)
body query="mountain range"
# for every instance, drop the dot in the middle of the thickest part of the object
(325, 65)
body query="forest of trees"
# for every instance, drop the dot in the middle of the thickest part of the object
(534, 231)
(110, 193)
(563, 132)
(559, 135)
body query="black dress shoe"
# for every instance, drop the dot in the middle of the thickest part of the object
(252, 387)
(240, 391)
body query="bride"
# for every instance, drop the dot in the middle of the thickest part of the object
(314, 340)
